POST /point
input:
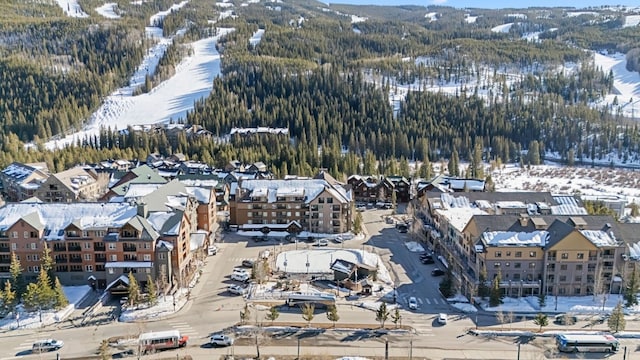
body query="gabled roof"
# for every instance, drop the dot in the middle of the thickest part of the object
(143, 175)
(75, 178)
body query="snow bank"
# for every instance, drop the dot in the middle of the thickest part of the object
(414, 246)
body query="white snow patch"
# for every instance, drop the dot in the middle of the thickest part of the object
(579, 13)
(626, 84)
(631, 20)
(470, 19)
(432, 16)
(357, 19)
(163, 308)
(108, 11)
(504, 28)
(414, 246)
(256, 37)
(72, 8)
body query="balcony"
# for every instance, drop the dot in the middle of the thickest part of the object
(5, 260)
(131, 258)
(129, 248)
(607, 257)
(59, 247)
(593, 258)
(61, 259)
(5, 249)
(76, 268)
(98, 247)
(75, 259)
(101, 258)
(74, 247)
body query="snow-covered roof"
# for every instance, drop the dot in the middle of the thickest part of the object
(568, 210)
(158, 220)
(203, 195)
(289, 191)
(513, 238)
(128, 264)
(55, 218)
(511, 204)
(311, 188)
(460, 217)
(600, 238)
(196, 240)
(139, 190)
(634, 251)
(124, 278)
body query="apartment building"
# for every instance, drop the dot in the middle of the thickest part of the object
(96, 241)
(536, 242)
(75, 184)
(20, 181)
(313, 205)
(374, 189)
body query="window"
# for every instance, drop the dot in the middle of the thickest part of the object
(112, 246)
(14, 246)
(578, 278)
(518, 254)
(28, 257)
(87, 256)
(147, 270)
(25, 235)
(113, 257)
(580, 256)
(147, 246)
(563, 278)
(498, 254)
(110, 271)
(36, 257)
(14, 234)
(87, 245)
(85, 233)
(579, 267)
(162, 256)
(532, 265)
(564, 256)
(532, 254)
(563, 267)
(36, 269)
(496, 264)
(30, 268)
(508, 253)
(89, 268)
(517, 265)
(516, 277)
(147, 257)
(34, 246)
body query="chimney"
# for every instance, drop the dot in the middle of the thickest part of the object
(524, 219)
(143, 211)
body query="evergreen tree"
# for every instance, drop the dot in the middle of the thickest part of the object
(495, 297)
(453, 167)
(15, 270)
(8, 296)
(48, 263)
(134, 290)
(152, 291)
(616, 320)
(273, 314)
(483, 288)
(39, 295)
(332, 314)
(60, 299)
(357, 223)
(632, 288)
(382, 314)
(541, 320)
(396, 317)
(533, 154)
(542, 299)
(308, 311)
(635, 209)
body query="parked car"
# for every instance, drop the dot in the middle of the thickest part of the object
(437, 272)
(442, 318)
(221, 340)
(46, 345)
(236, 289)
(240, 277)
(212, 250)
(427, 261)
(426, 256)
(322, 242)
(240, 270)
(565, 319)
(413, 303)
(248, 263)
(338, 239)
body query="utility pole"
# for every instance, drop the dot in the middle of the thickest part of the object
(386, 349)
(518, 351)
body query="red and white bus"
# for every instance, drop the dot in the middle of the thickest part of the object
(161, 340)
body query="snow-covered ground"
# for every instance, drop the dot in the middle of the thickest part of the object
(573, 304)
(72, 8)
(31, 320)
(504, 28)
(414, 246)
(165, 306)
(626, 84)
(256, 37)
(108, 11)
(631, 20)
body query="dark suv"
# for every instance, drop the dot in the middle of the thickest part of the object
(437, 272)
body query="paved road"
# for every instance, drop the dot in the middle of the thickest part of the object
(211, 310)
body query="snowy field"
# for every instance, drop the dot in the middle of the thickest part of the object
(574, 305)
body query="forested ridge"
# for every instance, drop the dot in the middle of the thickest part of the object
(328, 81)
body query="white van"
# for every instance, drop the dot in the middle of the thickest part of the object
(237, 276)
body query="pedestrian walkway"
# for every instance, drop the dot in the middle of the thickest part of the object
(184, 328)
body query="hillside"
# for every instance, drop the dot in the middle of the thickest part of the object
(375, 83)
